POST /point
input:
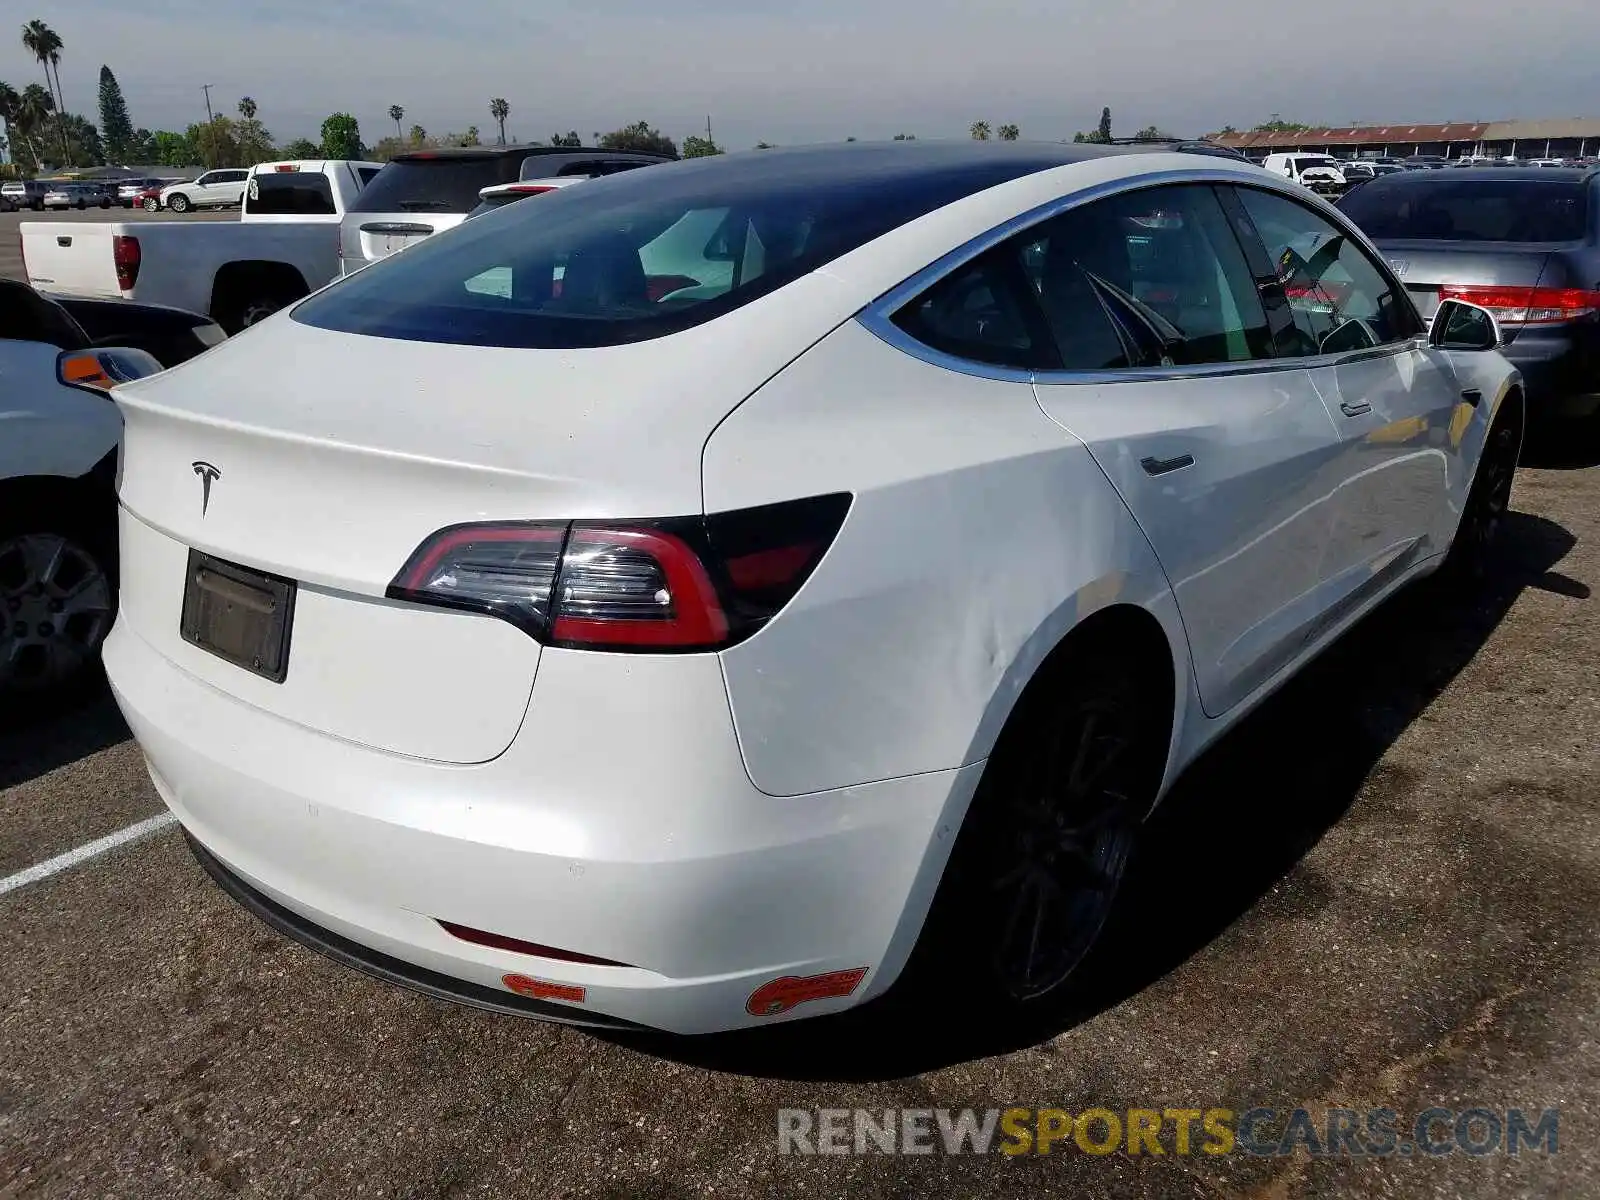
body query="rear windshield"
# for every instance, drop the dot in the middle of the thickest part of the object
(635, 255)
(289, 193)
(434, 184)
(1446, 208)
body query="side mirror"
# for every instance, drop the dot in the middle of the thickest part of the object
(1462, 326)
(100, 370)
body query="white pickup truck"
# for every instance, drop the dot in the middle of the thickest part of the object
(285, 245)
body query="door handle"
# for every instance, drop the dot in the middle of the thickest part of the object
(1472, 396)
(1354, 408)
(1163, 466)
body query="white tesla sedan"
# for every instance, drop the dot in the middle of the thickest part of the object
(711, 594)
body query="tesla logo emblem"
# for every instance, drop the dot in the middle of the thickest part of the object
(207, 474)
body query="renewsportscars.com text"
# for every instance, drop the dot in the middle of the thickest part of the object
(1263, 1132)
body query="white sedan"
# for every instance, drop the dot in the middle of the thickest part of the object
(711, 595)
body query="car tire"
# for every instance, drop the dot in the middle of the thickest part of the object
(1489, 497)
(58, 597)
(179, 203)
(151, 205)
(1047, 840)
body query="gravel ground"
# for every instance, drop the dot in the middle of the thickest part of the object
(1382, 890)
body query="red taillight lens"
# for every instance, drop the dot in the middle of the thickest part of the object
(126, 254)
(1528, 305)
(682, 584)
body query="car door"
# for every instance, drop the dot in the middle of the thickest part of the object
(1223, 453)
(1393, 399)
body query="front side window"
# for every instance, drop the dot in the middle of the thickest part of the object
(1339, 298)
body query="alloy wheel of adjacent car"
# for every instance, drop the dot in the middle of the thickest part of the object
(178, 203)
(151, 204)
(56, 605)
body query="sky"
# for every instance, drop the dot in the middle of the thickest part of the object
(830, 69)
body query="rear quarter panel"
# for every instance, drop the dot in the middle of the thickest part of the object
(180, 259)
(979, 535)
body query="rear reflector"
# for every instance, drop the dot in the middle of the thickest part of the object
(680, 584)
(1528, 305)
(125, 253)
(499, 941)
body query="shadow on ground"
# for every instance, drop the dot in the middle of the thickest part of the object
(1238, 822)
(35, 741)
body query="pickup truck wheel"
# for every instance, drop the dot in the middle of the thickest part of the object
(178, 203)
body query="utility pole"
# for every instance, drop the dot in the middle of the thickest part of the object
(210, 118)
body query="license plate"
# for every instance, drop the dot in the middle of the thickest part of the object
(240, 615)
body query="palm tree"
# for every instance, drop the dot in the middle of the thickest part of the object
(34, 107)
(980, 131)
(397, 114)
(9, 100)
(418, 135)
(1008, 133)
(247, 108)
(499, 109)
(45, 45)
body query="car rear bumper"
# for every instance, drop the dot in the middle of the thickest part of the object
(1560, 367)
(620, 825)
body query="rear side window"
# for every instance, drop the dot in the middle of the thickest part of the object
(1446, 208)
(1168, 270)
(639, 254)
(981, 312)
(434, 184)
(289, 193)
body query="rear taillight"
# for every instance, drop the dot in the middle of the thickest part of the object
(682, 584)
(125, 253)
(1528, 305)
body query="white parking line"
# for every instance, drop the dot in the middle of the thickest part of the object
(54, 866)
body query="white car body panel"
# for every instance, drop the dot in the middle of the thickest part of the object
(786, 806)
(46, 428)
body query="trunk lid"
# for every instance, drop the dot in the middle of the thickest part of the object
(1425, 266)
(370, 237)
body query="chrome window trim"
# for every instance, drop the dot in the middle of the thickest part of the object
(878, 317)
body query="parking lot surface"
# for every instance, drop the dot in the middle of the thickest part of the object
(1382, 890)
(11, 245)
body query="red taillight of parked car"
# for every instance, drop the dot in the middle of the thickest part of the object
(1528, 305)
(683, 584)
(127, 256)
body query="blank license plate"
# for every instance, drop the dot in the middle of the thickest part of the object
(238, 614)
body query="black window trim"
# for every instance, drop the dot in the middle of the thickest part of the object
(878, 317)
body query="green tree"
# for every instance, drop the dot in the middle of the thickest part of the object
(1277, 125)
(115, 126)
(45, 45)
(397, 113)
(905, 137)
(419, 135)
(470, 137)
(764, 146)
(1102, 133)
(247, 108)
(570, 139)
(980, 131)
(699, 147)
(1152, 134)
(639, 136)
(1008, 133)
(172, 149)
(301, 148)
(84, 147)
(34, 107)
(500, 109)
(341, 137)
(217, 141)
